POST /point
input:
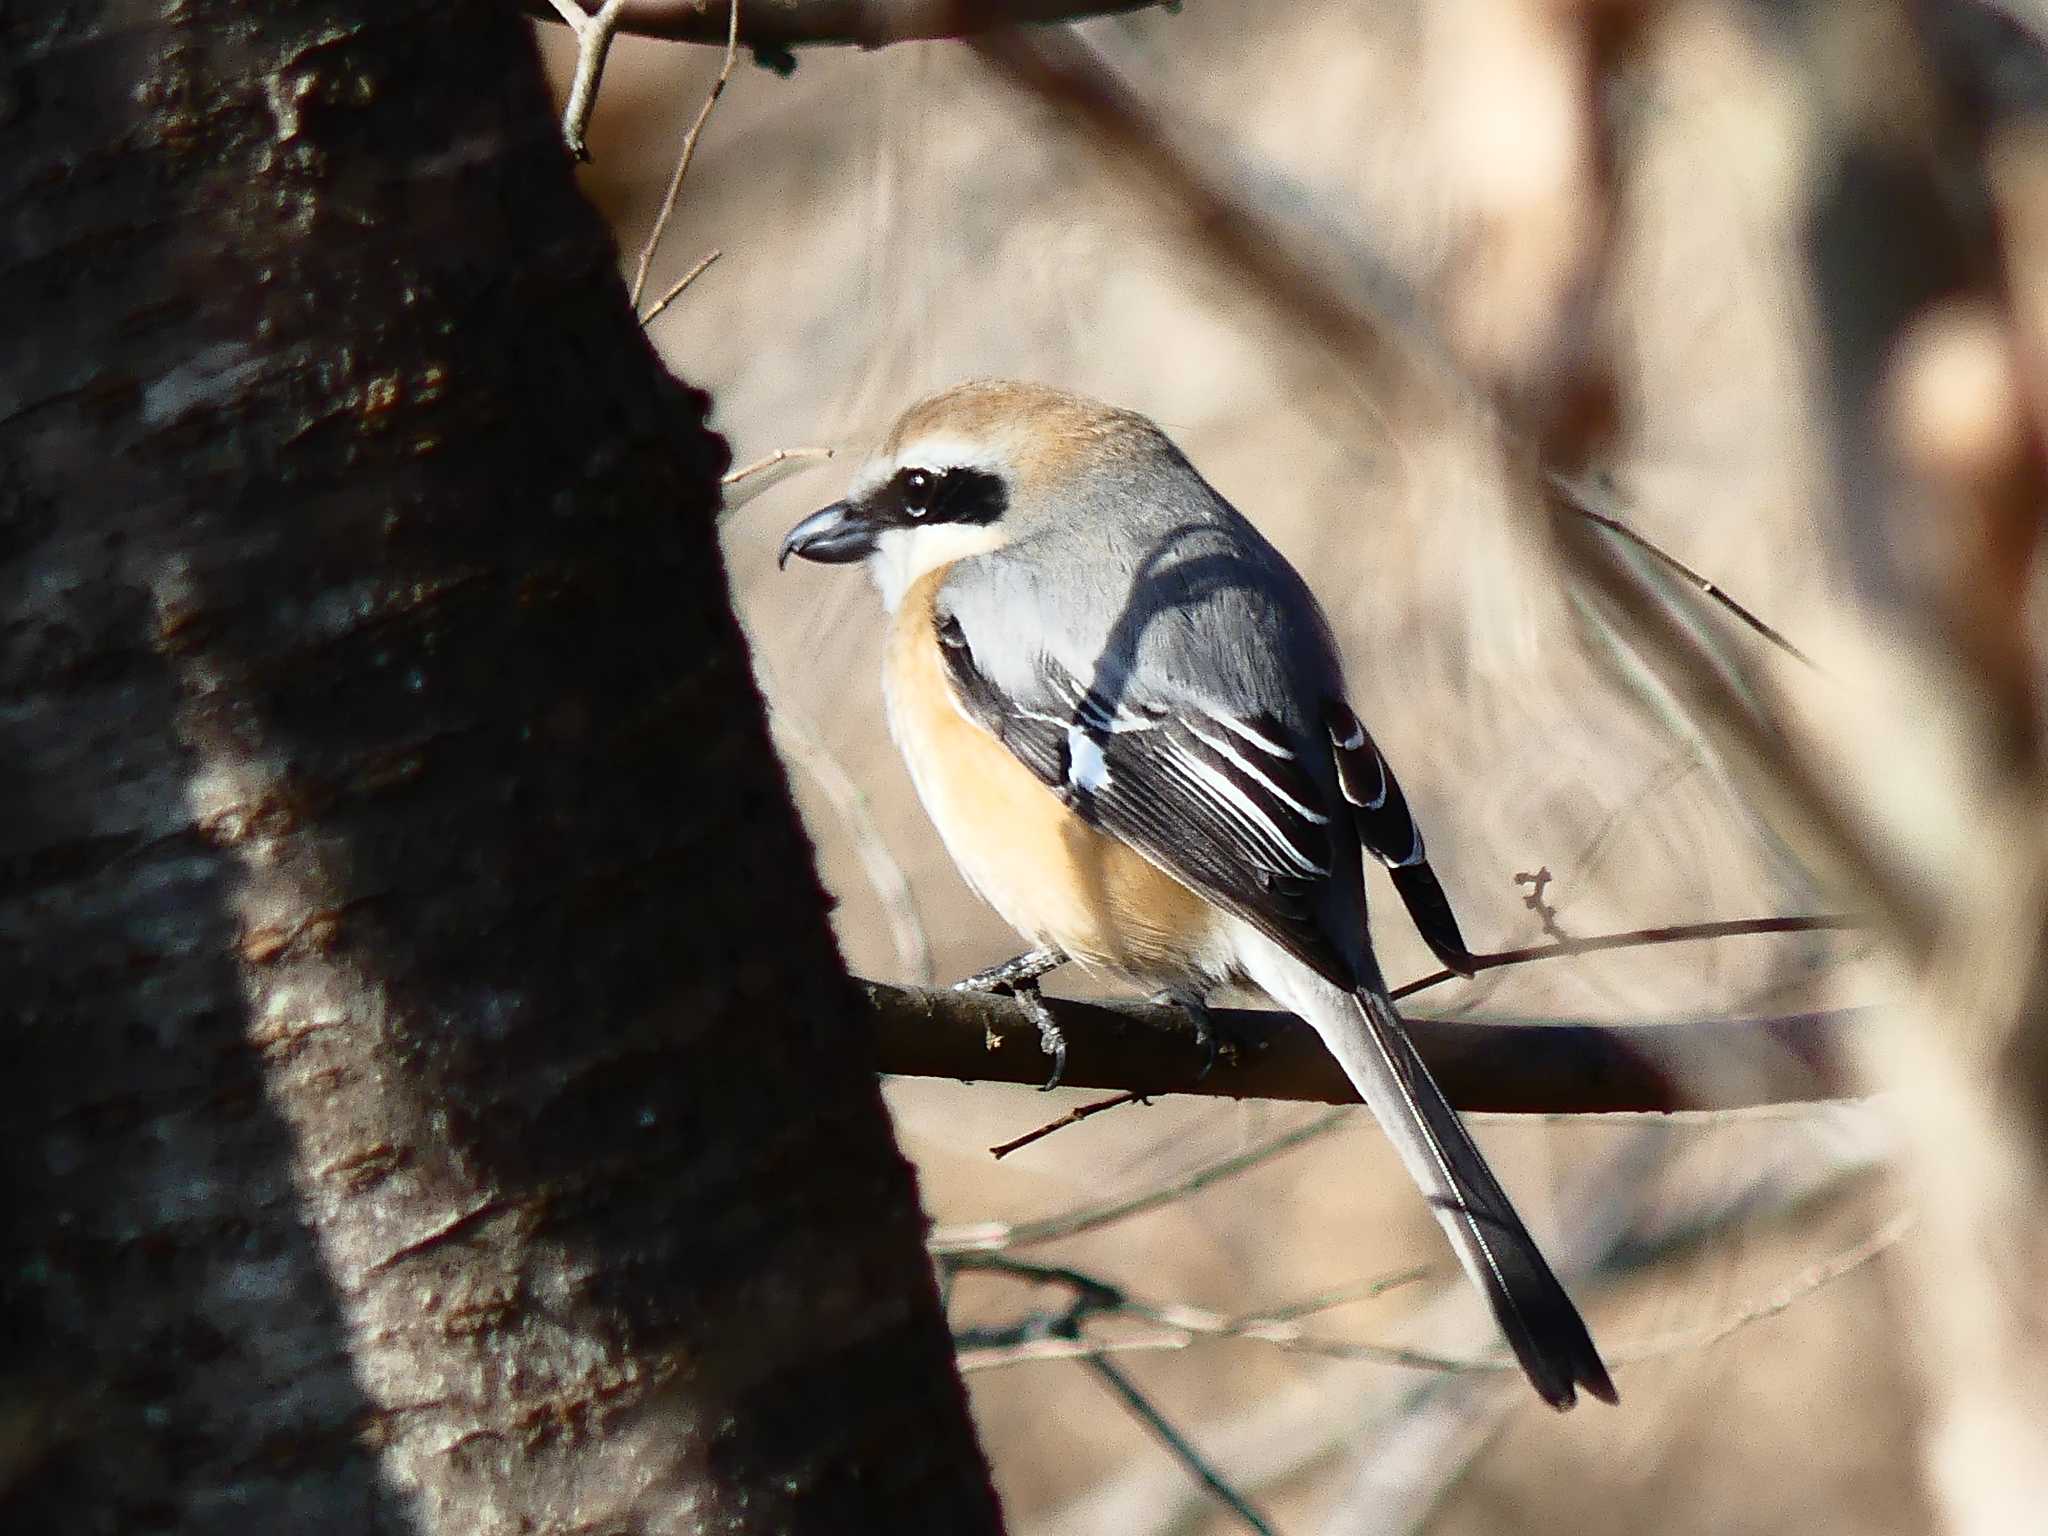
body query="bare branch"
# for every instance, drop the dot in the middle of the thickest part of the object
(775, 25)
(674, 293)
(1000, 1236)
(1071, 1117)
(1516, 1068)
(1056, 1333)
(1638, 938)
(1708, 588)
(774, 460)
(675, 182)
(594, 34)
(1112, 1376)
(1742, 714)
(1409, 1438)
(1499, 1068)
(1893, 1232)
(1536, 898)
(1059, 1334)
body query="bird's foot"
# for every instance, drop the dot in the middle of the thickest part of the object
(1210, 1034)
(1019, 978)
(1050, 1038)
(1024, 969)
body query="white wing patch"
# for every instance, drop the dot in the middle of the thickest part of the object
(1256, 738)
(1368, 784)
(1086, 769)
(1355, 757)
(1243, 811)
(1097, 717)
(1224, 749)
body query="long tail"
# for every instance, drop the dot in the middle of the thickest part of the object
(1543, 1327)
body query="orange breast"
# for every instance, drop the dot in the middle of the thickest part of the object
(1054, 878)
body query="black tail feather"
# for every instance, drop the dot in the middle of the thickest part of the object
(1540, 1322)
(1423, 894)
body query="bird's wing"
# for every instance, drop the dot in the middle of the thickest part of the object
(1233, 805)
(1388, 830)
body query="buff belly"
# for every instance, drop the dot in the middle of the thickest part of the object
(1051, 876)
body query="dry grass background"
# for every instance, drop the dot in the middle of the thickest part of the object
(894, 221)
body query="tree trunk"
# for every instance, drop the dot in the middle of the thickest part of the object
(431, 1096)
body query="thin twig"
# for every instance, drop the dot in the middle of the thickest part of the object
(769, 461)
(1415, 1435)
(1850, 1259)
(1635, 938)
(1708, 587)
(1041, 1335)
(594, 34)
(1743, 717)
(689, 153)
(1032, 1340)
(998, 1236)
(674, 293)
(1177, 1444)
(1071, 1117)
(788, 24)
(974, 1355)
(1270, 1323)
(1336, 1296)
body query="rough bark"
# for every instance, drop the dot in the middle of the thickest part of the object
(432, 1098)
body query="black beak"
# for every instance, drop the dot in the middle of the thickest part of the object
(836, 535)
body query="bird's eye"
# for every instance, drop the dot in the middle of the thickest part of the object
(918, 485)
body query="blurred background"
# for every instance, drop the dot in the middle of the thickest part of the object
(892, 221)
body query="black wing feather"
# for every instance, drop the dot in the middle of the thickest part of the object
(1254, 840)
(1388, 829)
(1248, 828)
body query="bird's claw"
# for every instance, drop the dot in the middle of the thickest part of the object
(1051, 1039)
(1015, 973)
(1019, 978)
(1211, 1036)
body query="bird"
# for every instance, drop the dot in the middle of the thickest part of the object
(1126, 715)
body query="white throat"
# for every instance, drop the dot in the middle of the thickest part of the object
(904, 554)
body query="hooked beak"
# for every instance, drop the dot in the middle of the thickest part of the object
(835, 535)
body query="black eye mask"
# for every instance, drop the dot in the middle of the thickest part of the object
(917, 496)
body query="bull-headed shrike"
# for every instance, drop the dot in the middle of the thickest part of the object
(1125, 712)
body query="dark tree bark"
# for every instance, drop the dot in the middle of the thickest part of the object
(431, 1099)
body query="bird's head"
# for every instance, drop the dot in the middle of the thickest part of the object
(971, 469)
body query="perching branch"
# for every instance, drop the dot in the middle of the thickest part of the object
(1510, 1068)
(777, 25)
